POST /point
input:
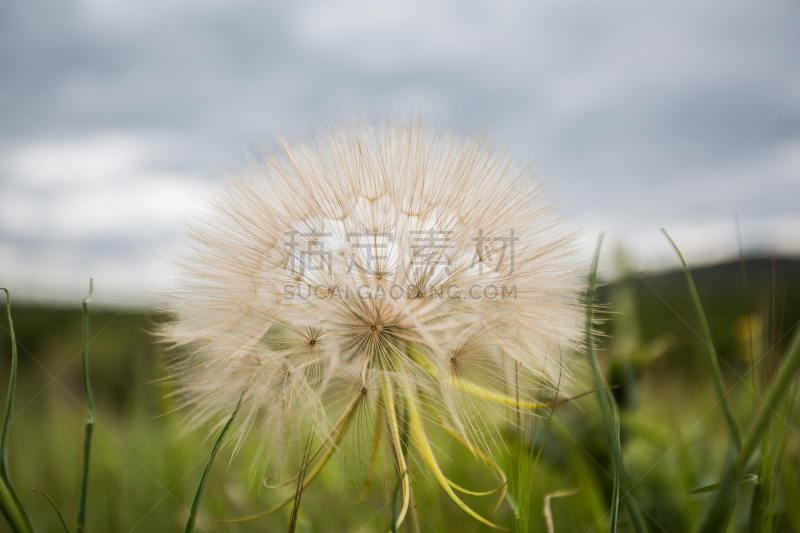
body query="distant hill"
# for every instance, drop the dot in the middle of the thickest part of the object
(662, 305)
(642, 308)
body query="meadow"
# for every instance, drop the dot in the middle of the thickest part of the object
(145, 466)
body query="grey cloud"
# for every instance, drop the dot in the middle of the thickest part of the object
(628, 129)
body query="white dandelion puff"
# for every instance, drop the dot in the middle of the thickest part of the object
(371, 282)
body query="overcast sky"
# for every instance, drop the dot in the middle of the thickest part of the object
(117, 118)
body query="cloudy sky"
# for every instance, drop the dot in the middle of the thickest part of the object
(117, 118)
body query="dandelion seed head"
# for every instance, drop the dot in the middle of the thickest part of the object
(367, 260)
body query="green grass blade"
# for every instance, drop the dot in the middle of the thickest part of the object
(525, 457)
(13, 511)
(605, 400)
(717, 514)
(719, 384)
(748, 478)
(771, 405)
(55, 508)
(80, 522)
(612, 528)
(718, 511)
(196, 502)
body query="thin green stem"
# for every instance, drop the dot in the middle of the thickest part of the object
(13, 511)
(604, 399)
(80, 523)
(199, 493)
(55, 508)
(12, 383)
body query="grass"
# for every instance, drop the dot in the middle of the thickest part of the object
(80, 522)
(672, 434)
(622, 487)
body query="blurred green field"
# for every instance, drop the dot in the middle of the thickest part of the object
(145, 467)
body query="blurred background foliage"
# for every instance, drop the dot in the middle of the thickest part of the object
(145, 467)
